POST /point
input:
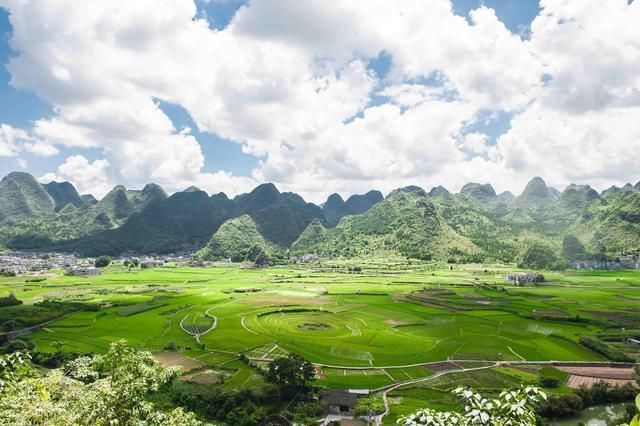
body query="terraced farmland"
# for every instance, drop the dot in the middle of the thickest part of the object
(362, 330)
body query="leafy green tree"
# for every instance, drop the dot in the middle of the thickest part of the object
(369, 405)
(308, 413)
(58, 345)
(549, 382)
(10, 300)
(12, 367)
(537, 255)
(103, 261)
(292, 372)
(636, 420)
(258, 254)
(509, 409)
(572, 248)
(108, 389)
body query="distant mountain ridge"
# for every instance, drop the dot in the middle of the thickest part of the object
(473, 225)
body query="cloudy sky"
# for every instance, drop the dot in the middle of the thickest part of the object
(320, 96)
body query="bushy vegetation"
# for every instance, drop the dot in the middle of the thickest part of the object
(537, 255)
(605, 350)
(510, 408)
(102, 261)
(244, 407)
(572, 248)
(290, 374)
(567, 405)
(10, 300)
(288, 385)
(102, 389)
(15, 317)
(7, 273)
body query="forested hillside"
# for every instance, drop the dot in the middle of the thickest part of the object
(476, 224)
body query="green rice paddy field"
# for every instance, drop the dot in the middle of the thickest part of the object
(364, 330)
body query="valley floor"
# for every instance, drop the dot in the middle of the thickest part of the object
(389, 323)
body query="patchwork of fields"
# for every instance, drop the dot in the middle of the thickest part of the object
(362, 330)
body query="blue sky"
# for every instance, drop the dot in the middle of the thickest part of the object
(19, 108)
(320, 97)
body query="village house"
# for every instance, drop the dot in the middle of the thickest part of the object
(84, 271)
(342, 402)
(151, 263)
(627, 262)
(523, 278)
(309, 258)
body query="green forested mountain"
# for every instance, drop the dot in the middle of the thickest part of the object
(21, 196)
(311, 239)
(183, 221)
(63, 194)
(335, 208)
(406, 222)
(88, 199)
(474, 224)
(479, 192)
(238, 239)
(280, 217)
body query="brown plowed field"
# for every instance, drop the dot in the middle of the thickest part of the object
(576, 381)
(176, 359)
(601, 372)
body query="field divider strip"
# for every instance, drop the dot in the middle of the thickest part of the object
(386, 389)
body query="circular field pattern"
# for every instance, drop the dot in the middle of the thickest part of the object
(310, 323)
(314, 326)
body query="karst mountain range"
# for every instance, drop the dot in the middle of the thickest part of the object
(475, 224)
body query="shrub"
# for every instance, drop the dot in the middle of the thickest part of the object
(171, 346)
(9, 300)
(6, 273)
(605, 350)
(561, 406)
(510, 408)
(83, 394)
(549, 382)
(103, 261)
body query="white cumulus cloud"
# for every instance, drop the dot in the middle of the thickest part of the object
(291, 83)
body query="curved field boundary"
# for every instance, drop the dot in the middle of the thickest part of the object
(195, 334)
(244, 325)
(462, 361)
(213, 326)
(386, 389)
(9, 335)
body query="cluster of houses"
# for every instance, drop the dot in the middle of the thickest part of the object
(22, 262)
(622, 262)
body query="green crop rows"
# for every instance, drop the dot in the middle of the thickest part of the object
(364, 330)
